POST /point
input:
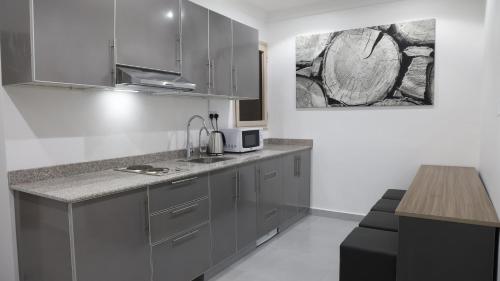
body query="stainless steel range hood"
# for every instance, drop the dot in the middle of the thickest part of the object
(151, 81)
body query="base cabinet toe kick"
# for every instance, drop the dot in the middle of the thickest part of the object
(183, 230)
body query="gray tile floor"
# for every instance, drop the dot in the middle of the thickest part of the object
(309, 251)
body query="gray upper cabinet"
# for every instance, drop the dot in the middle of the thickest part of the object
(148, 34)
(111, 238)
(70, 42)
(246, 207)
(223, 214)
(195, 63)
(221, 45)
(270, 195)
(245, 61)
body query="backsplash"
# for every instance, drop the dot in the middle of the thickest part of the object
(47, 126)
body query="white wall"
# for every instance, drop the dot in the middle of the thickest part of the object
(8, 252)
(490, 130)
(51, 126)
(359, 153)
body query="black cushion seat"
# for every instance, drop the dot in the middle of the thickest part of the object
(381, 221)
(369, 254)
(386, 205)
(394, 194)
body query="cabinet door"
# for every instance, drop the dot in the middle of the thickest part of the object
(195, 64)
(73, 41)
(305, 181)
(111, 238)
(148, 34)
(270, 186)
(246, 61)
(247, 207)
(221, 48)
(223, 214)
(291, 185)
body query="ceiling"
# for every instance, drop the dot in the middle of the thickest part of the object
(285, 9)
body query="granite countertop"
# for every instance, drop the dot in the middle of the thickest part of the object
(87, 186)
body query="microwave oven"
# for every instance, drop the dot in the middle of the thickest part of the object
(241, 140)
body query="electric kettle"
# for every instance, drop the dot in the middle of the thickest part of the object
(216, 142)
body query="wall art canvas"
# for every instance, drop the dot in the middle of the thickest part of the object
(387, 65)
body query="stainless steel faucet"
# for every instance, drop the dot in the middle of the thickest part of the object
(189, 146)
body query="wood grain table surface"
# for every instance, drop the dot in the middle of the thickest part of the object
(454, 194)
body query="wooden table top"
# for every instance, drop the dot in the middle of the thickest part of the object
(454, 194)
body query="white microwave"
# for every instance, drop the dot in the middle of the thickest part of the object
(243, 139)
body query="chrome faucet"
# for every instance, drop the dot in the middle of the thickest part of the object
(189, 146)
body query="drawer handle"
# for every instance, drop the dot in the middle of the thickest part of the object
(270, 175)
(185, 209)
(271, 213)
(185, 237)
(185, 180)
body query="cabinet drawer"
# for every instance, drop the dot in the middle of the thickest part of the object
(168, 195)
(183, 257)
(177, 219)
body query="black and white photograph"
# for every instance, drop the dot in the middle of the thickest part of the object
(386, 65)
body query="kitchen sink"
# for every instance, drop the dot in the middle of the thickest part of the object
(207, 160)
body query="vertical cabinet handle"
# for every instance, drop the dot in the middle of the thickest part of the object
(238, 185)
(236, 78)
(178, 58)
(295, 166)
(299, 169)
(209, 64)
(113, 61)
(257, 186)
(213, 74)
(146, 222)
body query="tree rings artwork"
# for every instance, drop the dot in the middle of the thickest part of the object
(387, 65)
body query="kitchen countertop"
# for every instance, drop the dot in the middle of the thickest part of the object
(87, 186)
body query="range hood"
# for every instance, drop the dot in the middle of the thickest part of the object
(151, 81)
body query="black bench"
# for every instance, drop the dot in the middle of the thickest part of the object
(381, 221)
(386, 205)
(394, 194)
(369, 255)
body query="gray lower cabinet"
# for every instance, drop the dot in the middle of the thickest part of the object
(183, 257)
(148, 34)
(221, 48)
(180, 228)
(175, 231)
(223, 214)
(195, 62)
(246, 202)
(291, 186)
(304, 170)
(296, 187)
(43, 239)
(245, 61)
(270, 195)
(111, 237)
